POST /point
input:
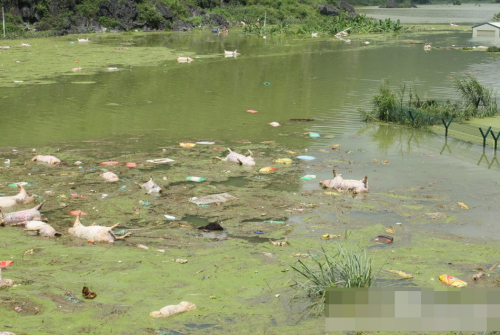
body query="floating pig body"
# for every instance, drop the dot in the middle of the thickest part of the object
(46, 159)
(41, 227)
(22, 198)
(239, 158)
(356, 186)
(94, 233)
(21, 216)
(151, 186)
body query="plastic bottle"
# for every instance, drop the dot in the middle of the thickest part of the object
(196, 179)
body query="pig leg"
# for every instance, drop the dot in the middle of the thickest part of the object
(37, 229)
(124, 236)
(251, 154)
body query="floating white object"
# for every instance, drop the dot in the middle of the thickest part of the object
(274, 124)
(170, 217)
(160, 160)
(306, 158)
(205, 142)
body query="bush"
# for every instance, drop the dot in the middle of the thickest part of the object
(476, 97)
(493, 49)
(347, 268)
(496, 17)
(109, 22)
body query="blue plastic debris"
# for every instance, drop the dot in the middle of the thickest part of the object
(314, 135)
(306, 158)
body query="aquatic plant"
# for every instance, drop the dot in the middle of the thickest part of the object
(346, 268)
(406, 107)
(496, 17)
(493, 49)
(478, 100)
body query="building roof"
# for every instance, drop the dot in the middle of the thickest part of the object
(494, 24)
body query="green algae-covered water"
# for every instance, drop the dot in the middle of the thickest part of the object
(240, 282)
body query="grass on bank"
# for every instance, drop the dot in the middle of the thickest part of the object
(345, 268)
(404, 106)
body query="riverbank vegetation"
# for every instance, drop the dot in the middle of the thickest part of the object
(405, 106)
(345, 268)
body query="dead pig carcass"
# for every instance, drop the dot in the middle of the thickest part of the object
(46, 159)
(42, 228)
(22, 198)
(151, 187)
(239, 158)
(22, 216)
(94, 232)
(340, 184)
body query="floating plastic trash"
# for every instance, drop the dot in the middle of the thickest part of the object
(203, 205)
(205, 142)
(160, 160)
(267, 83)
(308, 177)
(187, 145)
(267, 169)
(75, 213)
(258, 232)
(287, 161)
(452, 281)
(123, 188)
(213, 198)
(314, 135)
(145, 203)
(251, 111)
(131, 165)
(276, 222)
(22, 183)
(110, 163)
(306, 158)
(4, 264)
(196, 179)
(170, 217)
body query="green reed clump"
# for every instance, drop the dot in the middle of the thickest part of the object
(493, 49)
(406, 107)
(478, 100)
(346, 268)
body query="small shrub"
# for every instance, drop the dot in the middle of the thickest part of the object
(346, 268)
(496, 17)
(109, 22)
(493, 49)
(477, 97)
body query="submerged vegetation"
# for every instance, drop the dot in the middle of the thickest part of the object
(408, 108)
(346, 268)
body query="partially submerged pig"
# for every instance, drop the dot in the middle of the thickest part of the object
(94, 233)
(110, 176)
(5, 282)
(239, 158)
(357, 186)
(22, 216)
(22, 198)
(42, 228)
(46, 159)
(150, 186)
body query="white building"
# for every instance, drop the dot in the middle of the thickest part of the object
(487, 29)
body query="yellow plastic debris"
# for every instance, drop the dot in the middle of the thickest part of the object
(328, 236)
(287, 161)
(390, 230)
(385, 162)
(452, 281)
(462, 205)
(334, 145)
(401, 273)
(375, 160)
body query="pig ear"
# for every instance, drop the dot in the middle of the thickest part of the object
(365, 180)
(334, 173)
(57, 234)
(241, 163)
(229, 150)
(251, 154)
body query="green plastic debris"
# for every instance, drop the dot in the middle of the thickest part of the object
(203, 205)
(267, 83)
(196, 179)
(276, 222)
(308, 177)
(123, 188)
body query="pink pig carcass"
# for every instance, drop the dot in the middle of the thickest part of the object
(239, 158)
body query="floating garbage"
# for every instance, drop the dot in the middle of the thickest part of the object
(142, 246)
(314, 135)
(160, 160)
(258, 232)
(306, 158)
(170, 217)
(329, 236)
(110, 163)
(274, 124)
(205, 142)
(187, 145)
(75, 213)
(383, 239)
(276, 222)
(461, 204)
(267, 169)
(214, 198)
(267, 83)
(131, 165)
(308, 177)
(180, 260)
(22, 183)
(110, 176)
(123, 188)
(286, 161)
(452, 281)
(251, 111)
(87, 294)
(401, 273)
(196, 179)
